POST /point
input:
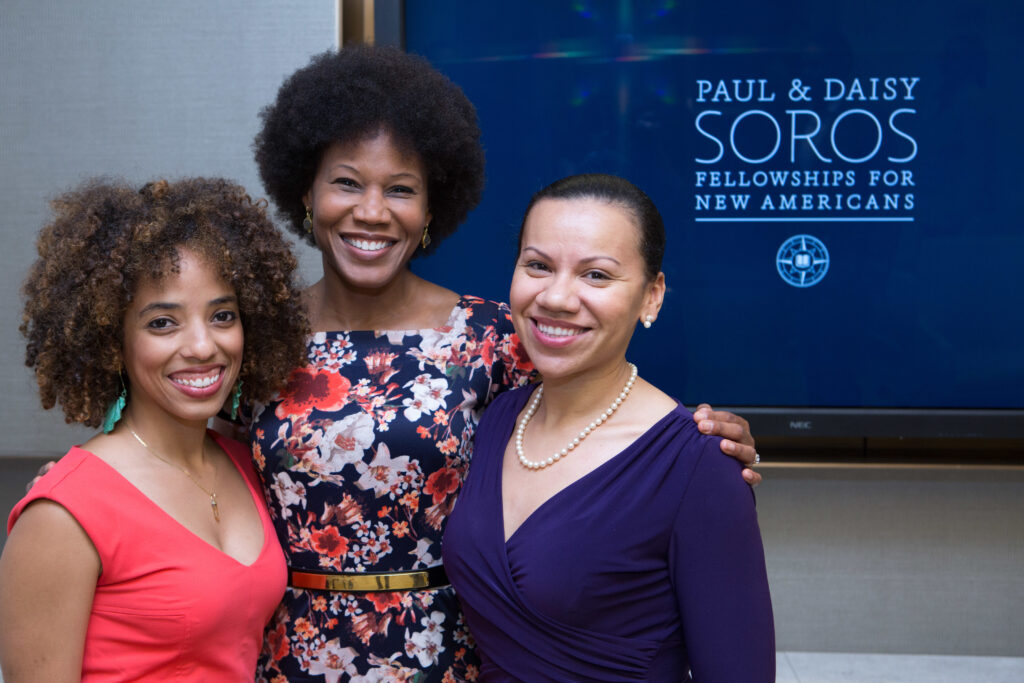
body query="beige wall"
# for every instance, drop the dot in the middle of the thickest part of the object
(911, 560)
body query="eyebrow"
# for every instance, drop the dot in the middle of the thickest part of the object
(589, 259)
(168, 306)
(353, 169)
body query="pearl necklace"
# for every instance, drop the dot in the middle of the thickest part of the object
(535, 403)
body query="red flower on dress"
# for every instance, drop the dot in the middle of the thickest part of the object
(441, 483)
(378, 364)
(305, 629)
(329, 542)
(385, 600)
(277, 642)
(310, 389)
(487, 347)
(366, 625)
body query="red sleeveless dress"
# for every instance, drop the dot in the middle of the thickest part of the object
(168, 606)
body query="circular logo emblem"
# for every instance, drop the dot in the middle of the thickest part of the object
(802, 261)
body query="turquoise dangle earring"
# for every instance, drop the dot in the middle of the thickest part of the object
(236, 398)
(116, 408)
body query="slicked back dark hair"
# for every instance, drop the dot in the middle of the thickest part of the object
(353, 94)
(618, 191)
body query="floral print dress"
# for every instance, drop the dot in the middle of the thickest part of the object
(362, 457)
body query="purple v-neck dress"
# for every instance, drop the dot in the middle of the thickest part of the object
(649, 568)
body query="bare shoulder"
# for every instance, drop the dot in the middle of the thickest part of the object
(48, 574)
(48, 541)
(46, 527)
(645, 407)
(651, 400)
(435, 297)
(433, 304)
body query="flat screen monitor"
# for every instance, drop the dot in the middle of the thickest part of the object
(841, 183)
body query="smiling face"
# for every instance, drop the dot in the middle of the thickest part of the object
(182, 343)
(579, 286)
(369, 206)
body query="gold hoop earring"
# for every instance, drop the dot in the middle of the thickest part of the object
(425, 239)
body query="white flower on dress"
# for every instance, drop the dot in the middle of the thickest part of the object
(388, 670)
(343, 443)
(332, 661)
(383, 474)
(424, 558)
(288, 493)
(426, 645)
(428, 394)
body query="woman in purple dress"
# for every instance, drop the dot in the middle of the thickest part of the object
(599, 535)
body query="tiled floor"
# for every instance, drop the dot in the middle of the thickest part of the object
(839, 667)
(828, 667)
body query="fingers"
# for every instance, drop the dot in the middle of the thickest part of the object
(751, 477)
(724, 424)
(737, 441)
(745, 454)
(39, 475)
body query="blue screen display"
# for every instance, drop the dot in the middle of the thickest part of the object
(841, 182)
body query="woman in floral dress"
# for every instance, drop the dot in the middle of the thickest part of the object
(374, 157)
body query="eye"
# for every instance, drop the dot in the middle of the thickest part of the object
(345, 182)
(538, 266)
(225, 316)
(597, 276)
(160, 324)
(402, 189)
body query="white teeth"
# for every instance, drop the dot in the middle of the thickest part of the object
(367, 245)
(200, 383)
(552, 331)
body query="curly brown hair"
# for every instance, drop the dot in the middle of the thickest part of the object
(351, 95)
(107, 237)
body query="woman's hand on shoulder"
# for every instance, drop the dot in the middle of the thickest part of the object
(39, 475)
(48, 574)
(737, 441)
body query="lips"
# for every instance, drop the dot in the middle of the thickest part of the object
(556, 331)
(199, 383)
(553, 333)
(370, 245)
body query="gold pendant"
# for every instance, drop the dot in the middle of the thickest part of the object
(216, 510)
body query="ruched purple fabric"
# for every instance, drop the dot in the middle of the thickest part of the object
(649, 568)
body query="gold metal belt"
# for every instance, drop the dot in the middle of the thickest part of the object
(435, 577)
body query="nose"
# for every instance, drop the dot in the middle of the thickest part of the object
(559, 294)
(199, 342)
(371, 207)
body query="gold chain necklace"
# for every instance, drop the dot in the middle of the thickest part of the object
(558, 455)
(212, 494)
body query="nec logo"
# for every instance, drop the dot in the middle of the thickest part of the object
(800, 424)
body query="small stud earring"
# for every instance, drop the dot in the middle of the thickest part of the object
(307, 222)
(648, 320)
